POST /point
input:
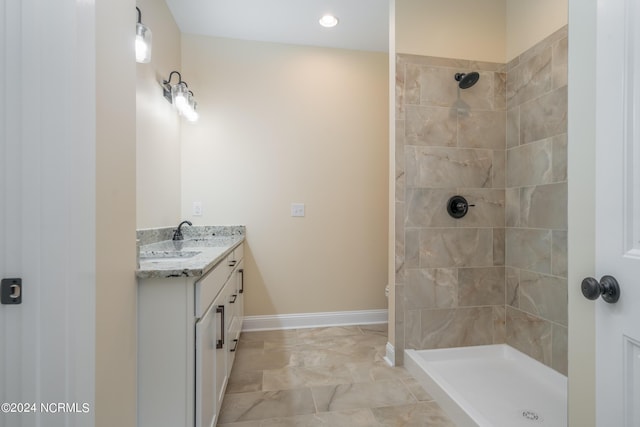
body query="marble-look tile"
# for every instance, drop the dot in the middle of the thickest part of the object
(559, 349)
(399, 144)
(351, 418)
(499, 325)
(544, 206)
(365, 372)
(529, 334)
(529, 249)
(431, 288)
(481, 286)
(272, 336)
(343, 341)
(559, 261)
(434, 126)
(400, 89)
(361, 395)
(419, 393)
(544, 117)
(498, 246)
(330, 357)
(482, 129)
(334, 331)
(560, 59)
(400, 241)
(297, 377)
(463, 64)
(375, 329)
(411, 248)
(427, 207)
(266, 404)
(529, 79)
(488, 210)
(257, 423)
(500, 91)
(480, 96)
(456, 247)
(544, 296)
(513, 63)
(512, 207)
(530, 164)
(438, 86)
(439, 167)
(512, 280)
(400, 322)
(251, 360)
(457, 327)
(499, 169)
(424, 414)
(412, 331)
(544, 44)
(559, 157)
(308, 420)
(244, 381)
(412, 84)
(513, 127)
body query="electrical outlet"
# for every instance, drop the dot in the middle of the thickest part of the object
(297, 209)
(197, 208)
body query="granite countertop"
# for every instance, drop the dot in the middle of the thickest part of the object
(202, 248)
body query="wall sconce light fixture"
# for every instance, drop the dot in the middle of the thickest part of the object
(181, 97)
(143, 41)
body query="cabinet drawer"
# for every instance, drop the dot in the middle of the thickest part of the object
(238, 253)
(210, 285)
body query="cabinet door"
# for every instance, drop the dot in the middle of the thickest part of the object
(221, 307)
(206, 399)
(240, 290)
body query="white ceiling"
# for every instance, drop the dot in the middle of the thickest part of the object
(363, 24)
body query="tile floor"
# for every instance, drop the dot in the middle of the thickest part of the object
(329, 377)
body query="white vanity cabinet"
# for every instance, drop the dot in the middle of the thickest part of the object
(188, 329)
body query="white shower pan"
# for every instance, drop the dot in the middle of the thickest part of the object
(491, 386)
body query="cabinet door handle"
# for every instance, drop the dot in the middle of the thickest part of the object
(241, 271)
(232, 263)
(233, 298)
(235, 346)
(220, 309)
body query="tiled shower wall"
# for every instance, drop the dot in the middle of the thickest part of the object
(536, 202)
(450, 141)
(507, 131)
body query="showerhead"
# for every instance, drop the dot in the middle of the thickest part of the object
(467, 80)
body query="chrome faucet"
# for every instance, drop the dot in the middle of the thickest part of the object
(177, 235)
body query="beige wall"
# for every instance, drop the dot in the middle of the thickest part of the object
(282, 124)
(528, 22)
(157, 124)
(464, 29)
(115, 216)
(480, 30)
(581, 210)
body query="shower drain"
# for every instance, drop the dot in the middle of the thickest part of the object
(530, 415)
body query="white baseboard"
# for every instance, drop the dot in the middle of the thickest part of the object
(314, 320)
(390, 357)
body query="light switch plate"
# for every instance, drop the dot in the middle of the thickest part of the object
(297, 209)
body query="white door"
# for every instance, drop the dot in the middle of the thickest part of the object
(618, 211)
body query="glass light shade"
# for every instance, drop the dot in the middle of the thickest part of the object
(180, 97)
(143, 43)
(192, 113)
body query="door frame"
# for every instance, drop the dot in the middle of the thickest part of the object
(581, 209)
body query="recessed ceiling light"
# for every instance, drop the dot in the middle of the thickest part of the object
(328, 21)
